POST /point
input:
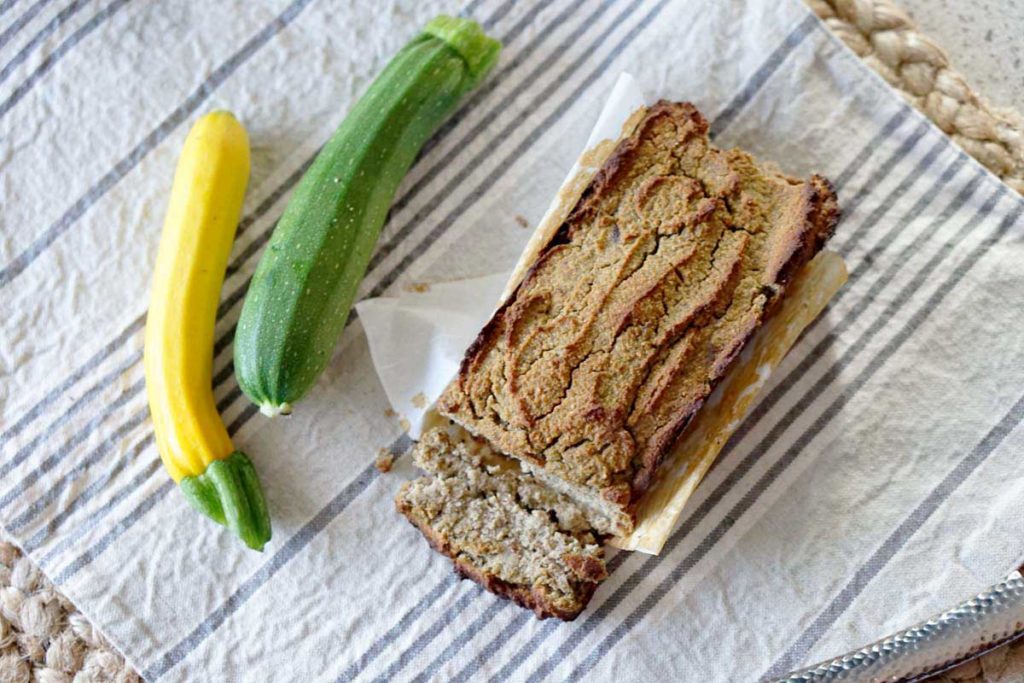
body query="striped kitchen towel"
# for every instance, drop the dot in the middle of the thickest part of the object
(875, 483)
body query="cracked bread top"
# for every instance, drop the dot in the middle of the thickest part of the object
(633, 311)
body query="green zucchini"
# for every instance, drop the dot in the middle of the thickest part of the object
(307, 278)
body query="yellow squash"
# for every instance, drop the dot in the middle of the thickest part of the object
(205, 205)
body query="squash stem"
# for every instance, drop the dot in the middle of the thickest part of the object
(272, 410)
(468, 39)
(229, 493)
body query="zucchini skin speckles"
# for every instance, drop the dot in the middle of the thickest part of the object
(308, 277)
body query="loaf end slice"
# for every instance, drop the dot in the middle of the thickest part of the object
(502, 528)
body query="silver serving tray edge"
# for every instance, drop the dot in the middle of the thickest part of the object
(992, 618)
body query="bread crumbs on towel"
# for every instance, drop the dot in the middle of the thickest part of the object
(385, 459)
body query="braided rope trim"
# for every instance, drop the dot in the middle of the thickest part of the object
(43, 637)
(886, 39)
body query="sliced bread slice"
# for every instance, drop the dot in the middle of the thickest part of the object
(502, 528)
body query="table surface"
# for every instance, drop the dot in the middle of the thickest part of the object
(983, 40)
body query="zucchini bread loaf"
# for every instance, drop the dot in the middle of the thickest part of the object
(593, 367)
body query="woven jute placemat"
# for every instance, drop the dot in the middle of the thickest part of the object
(886, 39)
(43, 637)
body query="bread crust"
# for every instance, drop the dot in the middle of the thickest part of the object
(502, 405)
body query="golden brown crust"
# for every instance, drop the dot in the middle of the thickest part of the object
(637, 306)
(587, 568)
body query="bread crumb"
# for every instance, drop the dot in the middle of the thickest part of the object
(521, 220)
(390, 413)
(404, 424)
(419, 287)
(420, 400)
(385, 459)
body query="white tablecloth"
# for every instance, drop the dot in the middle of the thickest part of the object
(877, 481)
